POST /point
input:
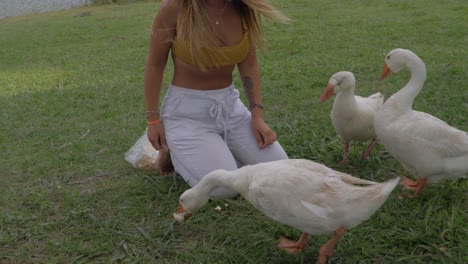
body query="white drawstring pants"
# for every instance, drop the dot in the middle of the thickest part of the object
(209, 130)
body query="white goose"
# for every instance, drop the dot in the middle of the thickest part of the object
(301, 193)
(352, 116)
(424, 145)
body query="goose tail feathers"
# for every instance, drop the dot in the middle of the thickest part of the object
(389, 185)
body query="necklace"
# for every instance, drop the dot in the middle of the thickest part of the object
(221, 12)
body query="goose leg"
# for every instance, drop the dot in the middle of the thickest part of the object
(420, 184)
(369, 149)
(327, 250)
(417, 185)
(292, 246)
(345, 153)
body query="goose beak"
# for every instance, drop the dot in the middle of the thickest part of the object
(181, 215)
(329, 91)
(386, 72)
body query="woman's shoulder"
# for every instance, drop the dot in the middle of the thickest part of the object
(167, 14)
(170, 7)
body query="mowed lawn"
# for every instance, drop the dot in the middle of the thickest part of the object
(71, 105)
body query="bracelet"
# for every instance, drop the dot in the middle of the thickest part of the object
(153, 122)
(151, 113)
(253, 105)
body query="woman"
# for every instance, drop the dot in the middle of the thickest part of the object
(202, 121)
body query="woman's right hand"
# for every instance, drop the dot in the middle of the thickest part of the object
(156, 136)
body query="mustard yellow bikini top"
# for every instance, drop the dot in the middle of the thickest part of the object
(225, 55)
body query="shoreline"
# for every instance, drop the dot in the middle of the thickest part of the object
(14, 8)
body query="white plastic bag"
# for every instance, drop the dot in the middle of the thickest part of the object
(142, 155)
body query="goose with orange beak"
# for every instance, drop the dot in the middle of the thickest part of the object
(297, 192)
(352, 116)
(427, 147)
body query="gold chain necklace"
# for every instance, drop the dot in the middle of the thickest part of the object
(221, 13)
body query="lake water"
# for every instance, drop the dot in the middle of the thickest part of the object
(10, 8)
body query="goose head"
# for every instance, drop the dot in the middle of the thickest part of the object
(340, 81)
(189, 202)
(398, 59)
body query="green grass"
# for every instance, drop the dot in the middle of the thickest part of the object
(71, 97)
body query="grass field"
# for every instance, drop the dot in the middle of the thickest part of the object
(71, 97)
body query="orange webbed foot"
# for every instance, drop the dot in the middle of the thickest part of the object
(292, 247)
(408, 183)
(416, 186)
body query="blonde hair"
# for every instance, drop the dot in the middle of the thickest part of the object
(194, 26)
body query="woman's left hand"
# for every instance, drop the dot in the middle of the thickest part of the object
(263, 133)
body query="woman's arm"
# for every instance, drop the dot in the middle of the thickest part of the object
(162, 32)
(249, 70)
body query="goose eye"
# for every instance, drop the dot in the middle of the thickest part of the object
(388, 57)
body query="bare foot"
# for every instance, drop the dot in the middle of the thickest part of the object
(164, 163)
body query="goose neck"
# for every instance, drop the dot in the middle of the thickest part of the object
(408, 93)
(346, 98)
(218, 178)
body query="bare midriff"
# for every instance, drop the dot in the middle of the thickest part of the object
(189, 76)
